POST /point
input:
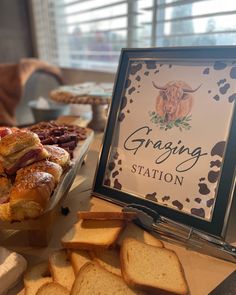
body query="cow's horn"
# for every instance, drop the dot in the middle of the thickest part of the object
(158, 87)
(191, 90)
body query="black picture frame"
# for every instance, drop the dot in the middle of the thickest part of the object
(217, 225)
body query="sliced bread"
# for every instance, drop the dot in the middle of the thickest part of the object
(133, 231)
(95, 280)
(61, 269)
(109, 259)
(91, 234)
(78, 259)
(152, 268)
(107, 215)
(52, 289)
(35, 277)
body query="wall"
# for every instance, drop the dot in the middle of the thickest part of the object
(15, 32)
(73, 76)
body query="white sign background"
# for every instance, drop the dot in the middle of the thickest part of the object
(132, 165)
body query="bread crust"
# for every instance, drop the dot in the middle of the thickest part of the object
(30, 195)
(17, 141)
(42, 166)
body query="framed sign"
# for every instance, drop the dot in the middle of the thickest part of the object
(170, 142)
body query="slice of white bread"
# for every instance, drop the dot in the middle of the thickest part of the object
(90, 234)
(61, 268)
(35, 277)
(52, 289)
(12, 266)
(152, 268)
(95, 280)
(107, 215)
(78, 259)
(109, 259)
(133, 231)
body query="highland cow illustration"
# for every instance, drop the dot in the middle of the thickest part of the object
(175, 100)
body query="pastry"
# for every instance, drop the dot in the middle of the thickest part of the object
(58, 155)
(20, 149)
(30, 195)
(63, 135)
(42, 166)
(5, 212)
(5, 186)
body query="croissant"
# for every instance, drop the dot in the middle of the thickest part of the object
(41, 166)
(30, 195)
(20, 149)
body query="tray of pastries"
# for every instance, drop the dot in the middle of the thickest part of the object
(37, 167)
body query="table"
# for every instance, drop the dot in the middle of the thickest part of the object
(203, 273)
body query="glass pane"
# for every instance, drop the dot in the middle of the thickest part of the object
(195, 31)
(78, 7)
(198, 39)
(144, 27)
(201, 8)
(97, 14)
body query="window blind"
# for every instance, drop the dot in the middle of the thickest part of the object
(89, 34)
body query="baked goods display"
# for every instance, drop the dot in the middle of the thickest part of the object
(42, 166)
(86, 93)
(30, 195)
(7, 130)
(30, 171)
(97, 260)
(20, 149)
(58, 155)
(5, 187)
(63, 135)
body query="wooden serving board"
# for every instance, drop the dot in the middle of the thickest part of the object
(39, 229)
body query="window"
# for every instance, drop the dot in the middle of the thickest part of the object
(89, 34)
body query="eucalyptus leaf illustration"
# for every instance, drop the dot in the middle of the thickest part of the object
(180, 123)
